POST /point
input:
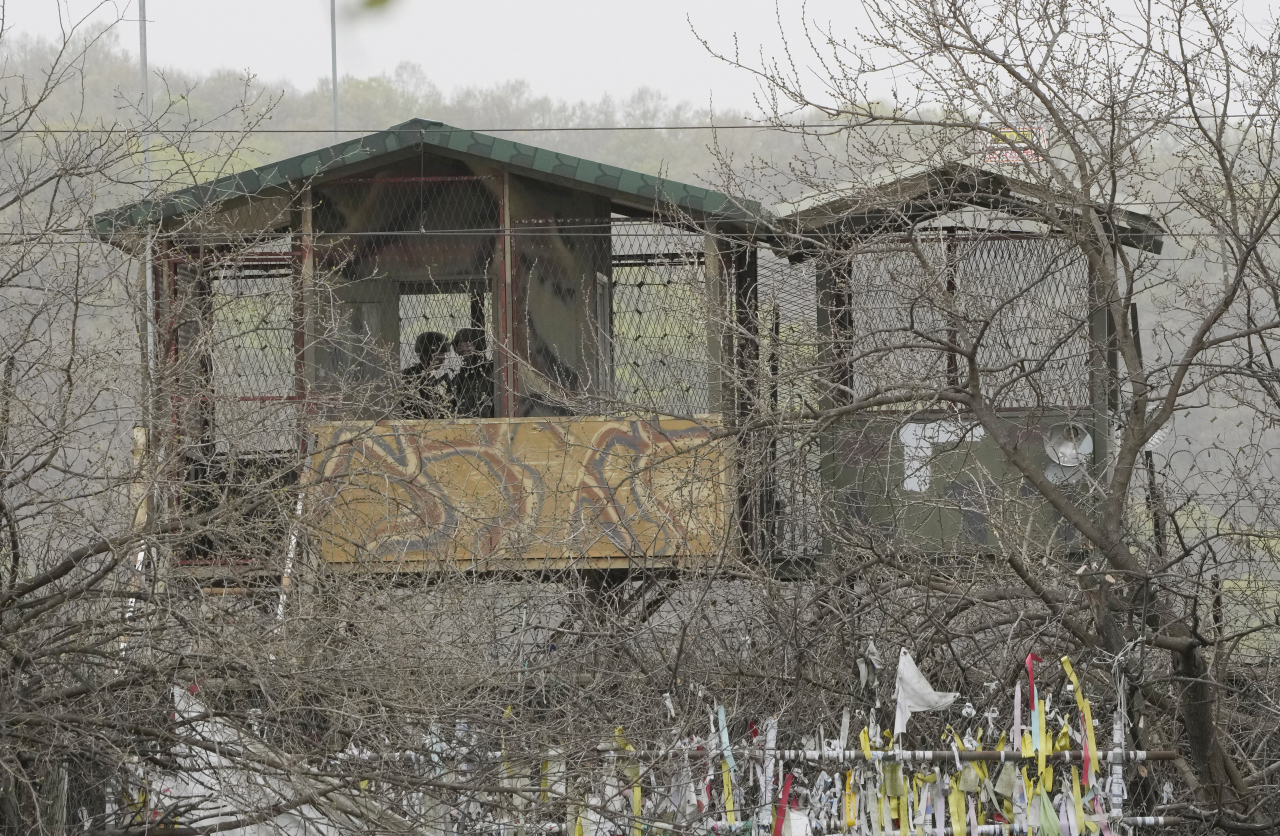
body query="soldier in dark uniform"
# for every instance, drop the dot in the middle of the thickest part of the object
(472, 386)
(426, 388)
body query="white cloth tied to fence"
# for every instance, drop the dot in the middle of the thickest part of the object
(914, 693)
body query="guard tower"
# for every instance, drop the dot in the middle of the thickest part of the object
(288, 302)
(910, 267)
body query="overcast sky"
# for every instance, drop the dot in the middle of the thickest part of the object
(569, 49)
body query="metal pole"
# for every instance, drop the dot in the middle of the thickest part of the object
(142, 441)
(142, 43)
(149, 280)
(333, 51)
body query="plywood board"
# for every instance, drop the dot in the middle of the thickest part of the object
(520, 494)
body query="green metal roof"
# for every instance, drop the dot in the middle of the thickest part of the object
(902, 202)
(629, 189)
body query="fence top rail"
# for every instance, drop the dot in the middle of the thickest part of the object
(999, 756)
(1109, 756)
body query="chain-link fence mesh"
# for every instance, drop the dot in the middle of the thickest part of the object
(255, 361)
(661, 323)
(396, 257)
(232, 383)
(1021, 302)
(423, 307)
(791, 495)
(443, 230)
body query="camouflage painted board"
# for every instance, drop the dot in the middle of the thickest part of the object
(533, 493)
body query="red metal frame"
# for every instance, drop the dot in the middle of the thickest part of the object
(165, 272)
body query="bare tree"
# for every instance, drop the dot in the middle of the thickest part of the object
(93, 643)
(933, 411)
(1064, 120)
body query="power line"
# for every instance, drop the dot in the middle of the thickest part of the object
(573, 129)
(560, 129)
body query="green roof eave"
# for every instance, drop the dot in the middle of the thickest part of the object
(899, 204)
(623, 186)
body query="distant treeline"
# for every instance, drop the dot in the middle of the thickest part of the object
(230, 99)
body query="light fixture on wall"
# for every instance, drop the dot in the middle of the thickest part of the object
(1068, 447)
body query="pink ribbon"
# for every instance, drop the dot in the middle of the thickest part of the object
(1102, 823)
(1031, 675)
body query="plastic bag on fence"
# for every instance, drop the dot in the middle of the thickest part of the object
(1005, 780)
(894, 785)
(969, 779)
(797, 823)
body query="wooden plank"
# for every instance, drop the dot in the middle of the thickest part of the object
(520, 494)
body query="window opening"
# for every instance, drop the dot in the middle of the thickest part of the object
(442, 382)
(252, 349)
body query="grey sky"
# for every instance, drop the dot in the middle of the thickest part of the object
(569, 49)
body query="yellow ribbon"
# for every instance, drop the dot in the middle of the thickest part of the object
(728, 793)
(955, 801)
(981, 768)
(983, 775)
(1087, 714)
(918, 784)
(1081, 824)
(850, 802)
(632, 771)
(1062, 743)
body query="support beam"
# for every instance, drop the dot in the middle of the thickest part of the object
(746, 305)
(719, 317)
(835, 324)
(305, 305)
(505, 372)
(755, 491)
(1102, 370)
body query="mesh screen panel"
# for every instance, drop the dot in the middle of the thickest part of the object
(252, 348)
(438, 229)
(1021, 301)
(791, 492)
(660, 321)
(252, 328)
(400, 255)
